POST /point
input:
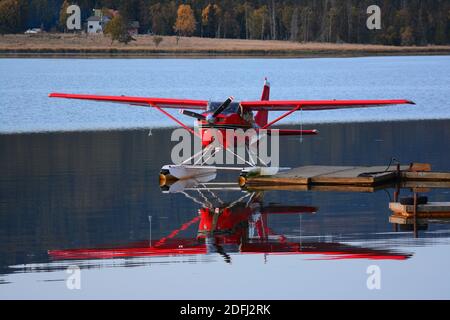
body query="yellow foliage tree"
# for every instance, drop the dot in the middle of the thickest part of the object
(117, 29)
(185, 24)
(63, 16)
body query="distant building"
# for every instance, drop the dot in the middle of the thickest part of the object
(33, 31)
(95, 24)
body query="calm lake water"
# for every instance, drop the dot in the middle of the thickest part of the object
(91, 200)
(87, 199)
(26, 83)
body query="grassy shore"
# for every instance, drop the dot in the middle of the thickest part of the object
(72, 45)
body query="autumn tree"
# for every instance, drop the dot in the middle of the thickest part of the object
(117, 29)
(63, 16)
(185, 23)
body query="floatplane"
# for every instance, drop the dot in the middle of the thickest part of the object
(229, 115)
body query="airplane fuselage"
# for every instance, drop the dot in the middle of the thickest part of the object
(209, 131)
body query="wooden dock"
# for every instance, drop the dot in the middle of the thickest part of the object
(328, 175)
(432, 210)
(356, 178)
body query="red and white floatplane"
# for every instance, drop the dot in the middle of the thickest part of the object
(229, 115)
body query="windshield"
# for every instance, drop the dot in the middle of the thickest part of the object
(233, 108)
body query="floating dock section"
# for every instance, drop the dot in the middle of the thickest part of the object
(335, 178)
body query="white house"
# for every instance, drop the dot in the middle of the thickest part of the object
(94, 25)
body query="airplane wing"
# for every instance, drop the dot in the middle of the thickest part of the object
(138, 101)
(306, 105)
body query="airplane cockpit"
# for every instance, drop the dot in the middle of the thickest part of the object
(233, 108)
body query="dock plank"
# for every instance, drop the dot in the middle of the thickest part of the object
(309, 171)
(425, 184)
(398, 219)
(356, 175)
(430, 176)
(330, 175)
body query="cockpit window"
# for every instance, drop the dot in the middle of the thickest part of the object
(233, 108)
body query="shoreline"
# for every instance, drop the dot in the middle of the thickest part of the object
(133, 129)
(209, 54)
(55, 45)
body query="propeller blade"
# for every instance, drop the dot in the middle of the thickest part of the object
(223, 107)
(193, 114)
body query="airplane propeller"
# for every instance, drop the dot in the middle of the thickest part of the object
(192, 114)
(223, 107)
(210, 118)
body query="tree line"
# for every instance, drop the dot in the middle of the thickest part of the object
(404, 22)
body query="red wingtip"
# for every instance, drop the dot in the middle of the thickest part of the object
(56, 95)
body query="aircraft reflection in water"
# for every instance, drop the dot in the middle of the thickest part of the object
(225, 228)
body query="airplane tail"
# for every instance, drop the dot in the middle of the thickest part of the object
(262, 117)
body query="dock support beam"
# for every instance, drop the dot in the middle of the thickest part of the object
(416, 233)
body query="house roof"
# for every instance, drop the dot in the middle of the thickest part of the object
(94, 18)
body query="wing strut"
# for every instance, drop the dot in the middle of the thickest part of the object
(282, 117)
(176, 120)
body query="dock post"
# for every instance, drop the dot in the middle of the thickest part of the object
(416, 233)
(397, 193)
